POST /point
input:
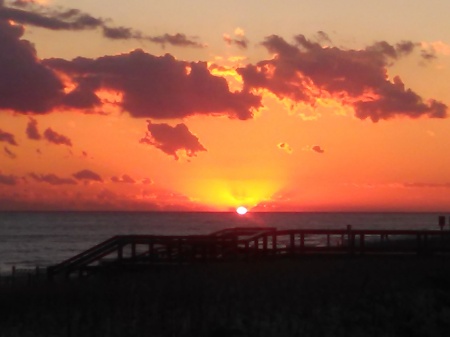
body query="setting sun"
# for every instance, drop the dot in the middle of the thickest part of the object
(241, 210)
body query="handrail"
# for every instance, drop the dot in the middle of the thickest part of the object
(220, 243)
(89, 250)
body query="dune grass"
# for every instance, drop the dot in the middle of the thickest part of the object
(309, 296)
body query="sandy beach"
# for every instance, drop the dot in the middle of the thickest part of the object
(309, 296)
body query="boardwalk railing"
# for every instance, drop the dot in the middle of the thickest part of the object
(246, 243)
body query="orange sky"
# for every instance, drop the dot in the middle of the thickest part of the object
(278, 108)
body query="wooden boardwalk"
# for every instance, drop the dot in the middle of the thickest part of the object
(142, 251)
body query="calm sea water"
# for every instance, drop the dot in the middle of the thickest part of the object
(30, 239)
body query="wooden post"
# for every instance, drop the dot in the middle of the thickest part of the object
(120, 252)
(361, 242)
(169, 251)
(351, 239)
(442, 222)
(274, 243)
(302, 242)
(328, 240)
(419, 243)
(292, 237)
(180, 249)
(151, 251)
(265, 244)
(133, 250)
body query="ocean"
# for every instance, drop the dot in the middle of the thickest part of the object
(39, 239)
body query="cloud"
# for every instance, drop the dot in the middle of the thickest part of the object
(147, 181)
(161, 87)
(52, 179)
(435, 47)
(126, 33)
(30, 13)
(125, 179)
(7, 137)
(32, 130)
(9, 153)
(156, 87)
(45, 17)
(56, 138)
(170, 139)
(427, 185)
(83, 96)
(9, 180)
(178, 39)
(87, 175)
(305, 72)
(285, 147)
(239, 39)
(323, 37)
(317, 149)
(36, 88)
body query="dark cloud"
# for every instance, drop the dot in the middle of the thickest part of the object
(121, 33)
(56, 138)
(52, 179)
(9, 153)
(45, 17)
(32, 130)
(156, 87)
(126, 33)
(428, 55)
(170, 139)
(7, 137)
(87, 175)
(162, 87)
(25, 84)
(179, 40)
(318, 149)
(305, 71)
(9, 180)
(323, 37)
(124, 179)
(83, 96)
(405, 47)
(30, 13)
(240, 41)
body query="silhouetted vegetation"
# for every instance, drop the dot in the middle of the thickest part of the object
(311, 296)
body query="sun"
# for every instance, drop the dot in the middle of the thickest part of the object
(241, 210)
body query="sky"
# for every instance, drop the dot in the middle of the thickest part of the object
(202, 105)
